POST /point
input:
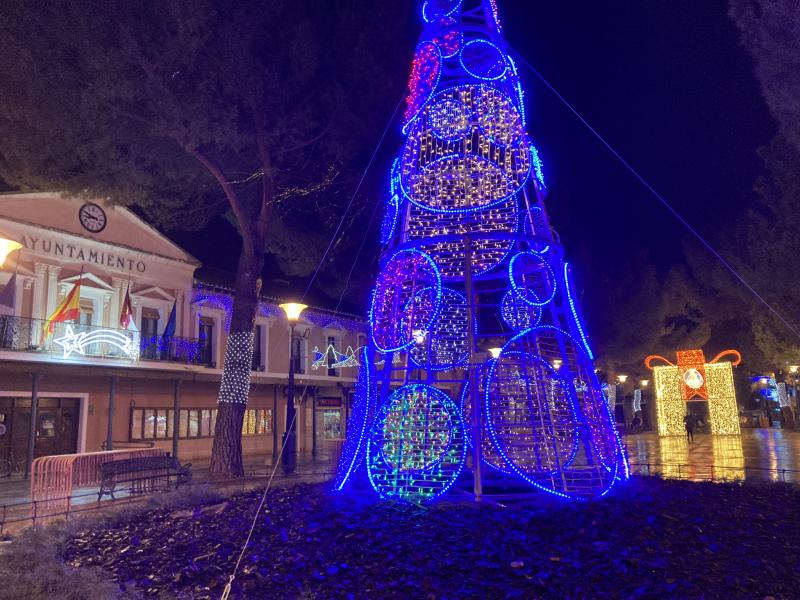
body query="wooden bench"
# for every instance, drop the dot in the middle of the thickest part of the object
(144, 474)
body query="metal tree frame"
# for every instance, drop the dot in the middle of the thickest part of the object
(470, 263)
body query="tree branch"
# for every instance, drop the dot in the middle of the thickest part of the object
(230, 194)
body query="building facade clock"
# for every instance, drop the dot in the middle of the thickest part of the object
(92, 217)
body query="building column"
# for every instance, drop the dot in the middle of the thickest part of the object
(275, 421)
(112, 389)
(314, 422)
(52, 289)
(176, 416)
(38, 306)
(33, 424)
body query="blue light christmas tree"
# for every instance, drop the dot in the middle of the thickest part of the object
(478, 361)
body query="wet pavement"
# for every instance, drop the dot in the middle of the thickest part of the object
(756, 454)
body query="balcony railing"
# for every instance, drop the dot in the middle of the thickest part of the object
(73, 340)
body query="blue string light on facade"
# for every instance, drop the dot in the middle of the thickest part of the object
(470, 264)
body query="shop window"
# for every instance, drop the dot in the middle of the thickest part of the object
(157, 423)
(194, 423)
(257, 421)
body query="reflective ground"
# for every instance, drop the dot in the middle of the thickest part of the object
(772, 454)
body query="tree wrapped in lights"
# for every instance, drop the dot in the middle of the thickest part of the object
(470, 262)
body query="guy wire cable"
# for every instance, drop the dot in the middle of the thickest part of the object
(661, 199)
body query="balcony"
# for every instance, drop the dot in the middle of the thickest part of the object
(73, 340)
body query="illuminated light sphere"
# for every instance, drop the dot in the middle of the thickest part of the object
(483, 60)
(467, 151)
(531, 415)
(424, 74)
(389, 223)
(407, 296)
(693, 379)
(574, 448)
(517, 314)
(438, 9)
(417, 446)
(487, 250)
(532, 278)
(446, 346)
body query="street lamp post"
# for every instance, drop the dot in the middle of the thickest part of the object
(289, 454)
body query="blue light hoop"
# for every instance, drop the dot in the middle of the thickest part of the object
(500, 58)
(596, 401)
(394, 178)
(518, 89)
(452, 6)
(438, 127)
(388, 325)
(448, 334)
(354, 448)
(417, 102)
(535, 439)
(408, 457)
(389, 222)
(574, 309)
(519, 315)
(540, 297)
(604, 484)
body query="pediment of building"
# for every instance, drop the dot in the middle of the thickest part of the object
(55, 213)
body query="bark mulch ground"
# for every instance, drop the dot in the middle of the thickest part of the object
(649, 539)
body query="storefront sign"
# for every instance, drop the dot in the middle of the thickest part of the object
(78, 253)
(329, 402)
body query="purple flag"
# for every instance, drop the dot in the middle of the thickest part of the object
(8, 296)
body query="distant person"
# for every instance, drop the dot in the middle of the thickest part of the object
(689, 423)
(636, 425)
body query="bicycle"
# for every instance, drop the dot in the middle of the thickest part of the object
(9, 465)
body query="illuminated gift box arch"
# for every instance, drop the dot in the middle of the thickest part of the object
(692, 379)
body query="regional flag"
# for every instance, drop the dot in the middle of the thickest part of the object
(169, 330)
(69, 309)
(8, 296)
(126, 314)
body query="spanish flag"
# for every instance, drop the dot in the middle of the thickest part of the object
(126, 314)
(68, 310)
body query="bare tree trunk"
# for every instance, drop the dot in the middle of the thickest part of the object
(226, 453)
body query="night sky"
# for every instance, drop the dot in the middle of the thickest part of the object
(666, 83)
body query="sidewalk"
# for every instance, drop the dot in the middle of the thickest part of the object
(16, 489)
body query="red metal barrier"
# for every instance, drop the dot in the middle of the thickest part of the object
(54, 477)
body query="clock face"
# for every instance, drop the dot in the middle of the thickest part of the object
(92, 217)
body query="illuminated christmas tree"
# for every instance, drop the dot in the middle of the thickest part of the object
(474, 305)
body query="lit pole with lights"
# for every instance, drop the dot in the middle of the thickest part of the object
(289, 455)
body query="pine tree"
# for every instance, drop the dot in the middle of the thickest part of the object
(474, 305)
